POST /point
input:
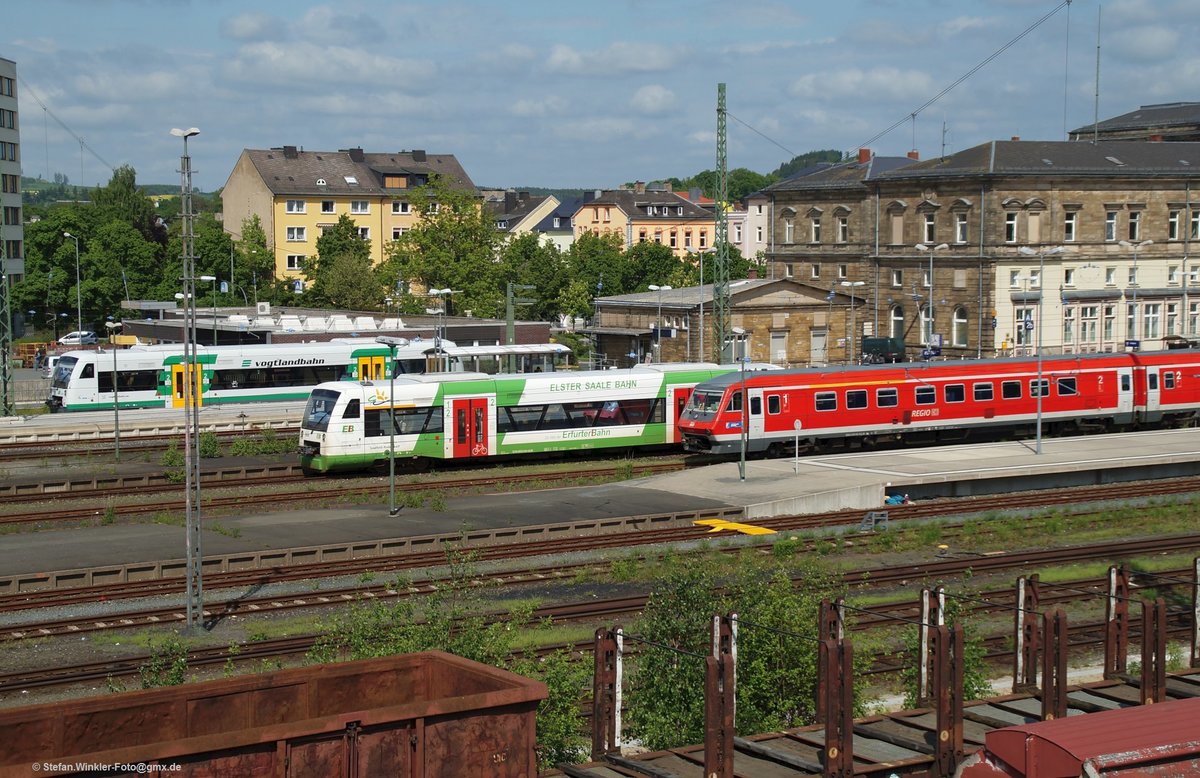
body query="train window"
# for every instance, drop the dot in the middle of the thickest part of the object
(128, 381)
(460, 426)
(89, 371)
(826, 401)
(1034, 387)
(926, 395)
(1010, 390)
(1125, 382)
(520, 418)
(1168, 380)
(756, 406)
(1152, 380)
(352, 410)
(887, 398)
(1067, 387)
(735, 401)
(856, 399)
(955, 393)
(317, 411)
(983, 392)
(773, 405)
(705, 402)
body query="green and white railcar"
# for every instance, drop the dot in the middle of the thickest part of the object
(349, 426)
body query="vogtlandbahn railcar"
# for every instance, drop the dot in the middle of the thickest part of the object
(818, 408)
(348, 426)
(152, 376)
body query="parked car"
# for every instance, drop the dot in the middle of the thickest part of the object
(78, 338)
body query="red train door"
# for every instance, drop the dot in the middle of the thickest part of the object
(679, 398)
(470, 420)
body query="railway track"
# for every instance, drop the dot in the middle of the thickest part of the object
(149, 442)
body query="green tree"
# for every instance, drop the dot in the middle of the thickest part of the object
(454, 245)
(121, 199)
(598, 261)
(652, 263)
(341, 275)
(527, 260)
(796, 164)
(255, 266)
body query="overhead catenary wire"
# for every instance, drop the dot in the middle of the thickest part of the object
(82, 143)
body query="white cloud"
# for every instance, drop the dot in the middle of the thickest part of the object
(652, 100)
(547, 106)
(616, 58)
(252, 26)
(316, 66)
(1145, 43)
(962, 24)
(106, 84)
(597, 129)
(864, 85)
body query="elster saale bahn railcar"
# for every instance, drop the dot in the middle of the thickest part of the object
(925, 403)
(152, 376)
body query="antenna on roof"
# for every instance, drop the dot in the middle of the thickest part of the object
(1066, 70)
(1096, 114)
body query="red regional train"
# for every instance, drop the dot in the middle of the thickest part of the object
(931, 402)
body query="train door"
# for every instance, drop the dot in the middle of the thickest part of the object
(469, 420)
(757, 427)
(372, 368)
(177, 384)
(679, 398)
(1153, 407)
(1125, 395)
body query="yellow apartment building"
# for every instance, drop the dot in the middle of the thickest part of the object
(297, 194)
(639, 215)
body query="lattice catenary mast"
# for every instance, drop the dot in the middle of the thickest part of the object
(721, 329)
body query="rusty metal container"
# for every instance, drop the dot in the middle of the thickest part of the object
(428, 715)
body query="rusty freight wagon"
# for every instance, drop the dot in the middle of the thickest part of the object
(428, 715)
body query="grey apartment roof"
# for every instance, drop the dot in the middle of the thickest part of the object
(1068, 158)
(1148, 117)
(290, 170)
(839, 175)
(637, 204)
(692, 295)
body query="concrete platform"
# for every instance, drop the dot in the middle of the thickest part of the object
(775, 487)
(816, 484)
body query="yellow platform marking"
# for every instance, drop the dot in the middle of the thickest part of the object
(746, 529)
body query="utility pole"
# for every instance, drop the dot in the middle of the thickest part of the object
(721, 323)
(510, 334)
(7, 406)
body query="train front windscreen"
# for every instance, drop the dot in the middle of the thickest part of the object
(703, 401)
(319, 409)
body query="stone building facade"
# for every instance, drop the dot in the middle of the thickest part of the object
(1083, 246)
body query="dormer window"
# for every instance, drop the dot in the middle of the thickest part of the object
(679, 211)
(321, 182)
(651, 210)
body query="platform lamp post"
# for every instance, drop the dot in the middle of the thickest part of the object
(112, 330)
(392, 343)
(213, 279)
(1135, 246)
(442, 294)
(79, 296)
(658, 321)
(1041, 255)
(931, 250)
(853, 318)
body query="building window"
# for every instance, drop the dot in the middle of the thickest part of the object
(650, 210)
(295, 261)
(1014, 279)
(398, 231)
(1173, 274)
(960, 228)
(843, 229)
(12, 215)
(897, 322)
(898, 278)
(1010, 227)
(1172, 319)
(433, 208)
(1133, 276)
(679, 211)
(816, 270)
(364, 233)
(930, 230)
(1070, 222)
(1135, 225)
(758, 231)
(1194, 230)
(1151, 321)
(737, 233)
(788, 228)
(295, 206)
(816, 230)
(674, 238)
(842, 269)
(1173, 225)
(642, 235)
(403, 208)
(296, 234)
(703, 238)
(607, 215)
(788, 270)
(327, 206)
(360, 206)
(687, 239)
(1110, 225)
(557, 222)
(1068, 276)
(1110, 319)
(658, 235)
(959, 336)
(927, 324)
(1110, 276)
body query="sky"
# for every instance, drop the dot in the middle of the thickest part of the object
(571, 94)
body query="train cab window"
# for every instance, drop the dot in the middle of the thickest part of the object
(926, 395)
(1010, 390)
(856, 399)
(1044, 390)
(955, 393)
(887, 398)
(352, 409)
(1067, 387)
(826, 401)
(983, 392)
(773, 405)
(735, 401)
(1168, 380)
(89, 371)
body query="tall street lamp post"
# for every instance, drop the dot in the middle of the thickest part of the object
(853, 317)
(931, 250)
(213, 279)
(442, 294)
(1136, 246)
(392, 343)
(78, 295)
(1041, 389)
(112, 330)
(658, 321)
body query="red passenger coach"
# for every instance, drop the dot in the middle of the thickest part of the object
(940, 401)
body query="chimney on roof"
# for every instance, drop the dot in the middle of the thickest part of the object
(864, 156)
(667, 186)
(639, 187)
(511, 201)
(289, 152)
(694, 194)
(1015, 138)
(418, 155)
(1156, 138)
(914, 154)
(596, 194)
(356, 154)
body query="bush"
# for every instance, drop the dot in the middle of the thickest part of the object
(210, 445)
(167, 665)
